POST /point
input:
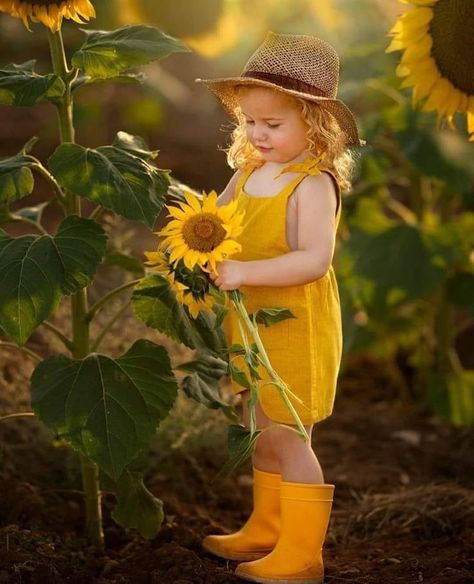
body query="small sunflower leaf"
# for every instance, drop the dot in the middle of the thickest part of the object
(16, 178)
(241, 444)
(137, 508)
(269, 316)
(238, 375)
(112, 177)
(135, 145)
(125, 78)
(34, 213)
(106, 54)
(108, 409)
(21, 86)
(202, 383)
(36, 271)
(124, 261)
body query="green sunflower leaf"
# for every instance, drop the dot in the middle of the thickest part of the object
(114, 177)
(202, 382)
(154, 303)
(124, 261)
(269, 316)
(106, 54)
(36, 271)
(241, 443)
(16, 178)
(21, 86)
(108, 409)
(400, 264)
(137, 508)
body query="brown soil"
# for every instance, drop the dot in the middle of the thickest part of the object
(403, 508)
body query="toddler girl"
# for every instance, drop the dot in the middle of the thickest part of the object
(290, 147)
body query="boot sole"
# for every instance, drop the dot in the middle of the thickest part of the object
(238, 556)
(263, 580)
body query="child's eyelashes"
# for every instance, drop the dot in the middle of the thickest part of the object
(252, 123)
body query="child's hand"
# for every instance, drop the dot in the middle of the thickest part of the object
(229, 276)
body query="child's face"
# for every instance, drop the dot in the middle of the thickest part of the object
(274, 124)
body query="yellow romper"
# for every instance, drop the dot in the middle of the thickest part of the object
(306, 351)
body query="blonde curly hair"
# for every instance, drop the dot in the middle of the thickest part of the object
(323, 135)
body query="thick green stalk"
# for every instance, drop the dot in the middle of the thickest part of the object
(79, 308)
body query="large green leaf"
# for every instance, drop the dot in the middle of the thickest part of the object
(36, 270)
(107, 408)
(137, 508)
(31, 276)
(108, 53)
(114, 177)
(20, 85)
(81, 245)
(16, 178)
(154, 303)
(400, 263)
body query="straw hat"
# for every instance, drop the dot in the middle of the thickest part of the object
(300, 65)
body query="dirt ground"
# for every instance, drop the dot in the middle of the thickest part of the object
(403, 510)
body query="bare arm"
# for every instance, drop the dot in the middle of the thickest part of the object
(316, 200)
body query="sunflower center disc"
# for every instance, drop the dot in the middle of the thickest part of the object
(203, 232)
(453, 50)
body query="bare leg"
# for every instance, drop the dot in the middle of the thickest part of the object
(282, 451)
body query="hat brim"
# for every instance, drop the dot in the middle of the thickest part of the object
(224, 90)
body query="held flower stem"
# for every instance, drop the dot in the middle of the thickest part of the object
(276, 380)
(79, 308)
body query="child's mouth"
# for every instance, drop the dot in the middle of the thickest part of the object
(263, 149)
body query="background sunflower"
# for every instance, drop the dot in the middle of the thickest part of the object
(49, 12)
(436, 37)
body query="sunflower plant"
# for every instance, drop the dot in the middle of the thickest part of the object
(436, 39)
(107, 408)
(199, 235)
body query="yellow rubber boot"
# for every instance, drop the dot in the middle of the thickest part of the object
(298, 555)
(260, 533)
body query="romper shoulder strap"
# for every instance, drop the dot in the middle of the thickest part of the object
(244, 175)
(312, 166)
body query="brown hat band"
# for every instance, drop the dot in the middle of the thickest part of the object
(286, 82)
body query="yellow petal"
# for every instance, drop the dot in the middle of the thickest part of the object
(417, 51)
(192, 201)
(439, 94)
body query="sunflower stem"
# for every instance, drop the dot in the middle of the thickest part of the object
(79, 308)
(95, 307)
(275, 378)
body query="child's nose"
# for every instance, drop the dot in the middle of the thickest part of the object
(259, 133)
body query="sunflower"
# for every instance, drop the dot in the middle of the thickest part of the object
(191, 287)
(49, 12)
(202, 233)
(436, 37)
